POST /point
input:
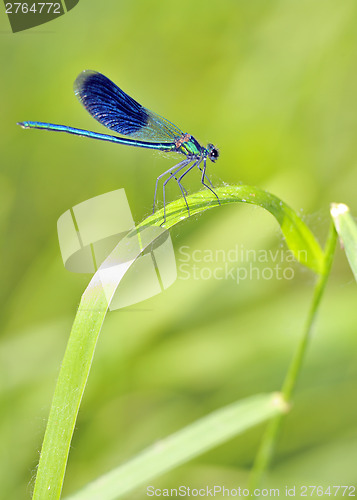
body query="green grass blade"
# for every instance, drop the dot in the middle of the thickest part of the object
(77, 361)
(68, 395)
(94, 304)
(298, 236)
(267, 447)
(211, 430)
(347, 230)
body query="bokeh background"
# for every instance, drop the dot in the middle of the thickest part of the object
(273, 85)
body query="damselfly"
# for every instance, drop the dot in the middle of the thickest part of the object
(113, 108)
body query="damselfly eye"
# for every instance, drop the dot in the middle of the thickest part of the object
(213, 153)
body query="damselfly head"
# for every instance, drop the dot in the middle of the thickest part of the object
(213, 152)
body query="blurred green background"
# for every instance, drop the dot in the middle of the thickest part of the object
(273, 85)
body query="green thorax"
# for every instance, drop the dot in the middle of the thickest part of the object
(187, 145)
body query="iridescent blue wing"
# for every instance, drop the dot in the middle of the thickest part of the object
(113, 108)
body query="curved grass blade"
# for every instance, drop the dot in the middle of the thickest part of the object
(94, 304)
(347, 231)
(298, 236)
(202, 435)
(78, 359)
